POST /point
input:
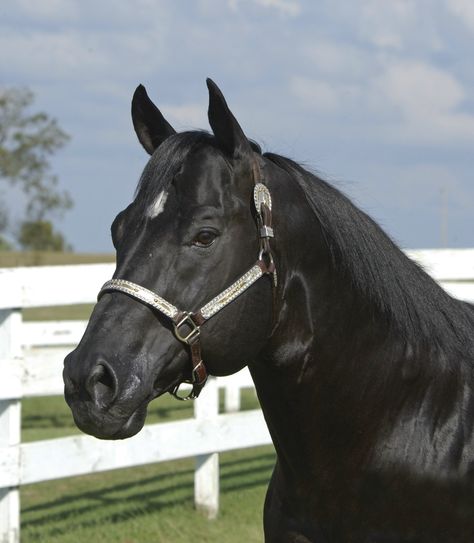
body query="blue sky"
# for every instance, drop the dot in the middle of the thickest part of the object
(377, 96)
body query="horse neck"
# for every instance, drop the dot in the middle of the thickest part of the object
(302, 377)
(305, 368)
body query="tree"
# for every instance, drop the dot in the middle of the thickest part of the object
(40, 235)
(27, 140)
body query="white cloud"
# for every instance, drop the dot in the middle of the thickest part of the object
(464, 9)
(72, 55)
(335, 59)
(396, 99)
(291, 8)
(105, 14)
(313, 93)
(384, 23)
(420, 89)
(186, 115)
(45, 10)
(56, 55)
(428, 101)
(398, 25)
(329, 97)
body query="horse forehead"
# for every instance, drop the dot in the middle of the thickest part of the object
(206, 178)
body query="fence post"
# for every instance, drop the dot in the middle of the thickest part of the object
(232, 398)
(10, 420)
(206, 475)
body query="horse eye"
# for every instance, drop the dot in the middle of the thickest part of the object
(205, 238)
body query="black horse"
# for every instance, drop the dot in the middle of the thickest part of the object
(362, 363)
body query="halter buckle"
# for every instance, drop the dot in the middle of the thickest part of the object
(189, 396)
(194, 332)
(197, 384)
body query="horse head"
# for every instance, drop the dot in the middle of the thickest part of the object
(193, 237)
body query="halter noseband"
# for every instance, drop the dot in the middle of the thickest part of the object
(187, 325)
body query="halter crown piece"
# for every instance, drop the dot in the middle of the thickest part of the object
(187, 325)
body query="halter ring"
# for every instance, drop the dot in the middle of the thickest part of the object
(193, 333)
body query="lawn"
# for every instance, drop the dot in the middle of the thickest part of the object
(152, 503)
(149, 504)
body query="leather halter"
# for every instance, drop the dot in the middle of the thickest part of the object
(187, 325)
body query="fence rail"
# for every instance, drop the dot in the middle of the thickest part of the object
(31, 356)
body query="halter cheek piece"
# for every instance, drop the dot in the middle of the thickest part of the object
(187, 325)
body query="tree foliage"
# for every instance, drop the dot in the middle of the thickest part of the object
(27, 141)
(41, 236)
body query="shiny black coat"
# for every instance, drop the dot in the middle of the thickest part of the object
(362, 363)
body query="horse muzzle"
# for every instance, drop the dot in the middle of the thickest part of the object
(98, 405)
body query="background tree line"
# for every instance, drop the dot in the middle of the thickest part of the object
(27, 141)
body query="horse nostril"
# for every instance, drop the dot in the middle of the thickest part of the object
(102, 384)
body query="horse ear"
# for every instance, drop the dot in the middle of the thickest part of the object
(224, 125)
(151, 127)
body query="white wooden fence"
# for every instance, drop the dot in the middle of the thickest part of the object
(31, 356)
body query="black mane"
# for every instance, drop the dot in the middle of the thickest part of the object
(397, 287)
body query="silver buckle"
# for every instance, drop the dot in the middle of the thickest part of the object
(185, 397)
(194, 332)
(196, 386)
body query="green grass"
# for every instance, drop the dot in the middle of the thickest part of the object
(59, 313)
(151, 503)
(10, 259)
